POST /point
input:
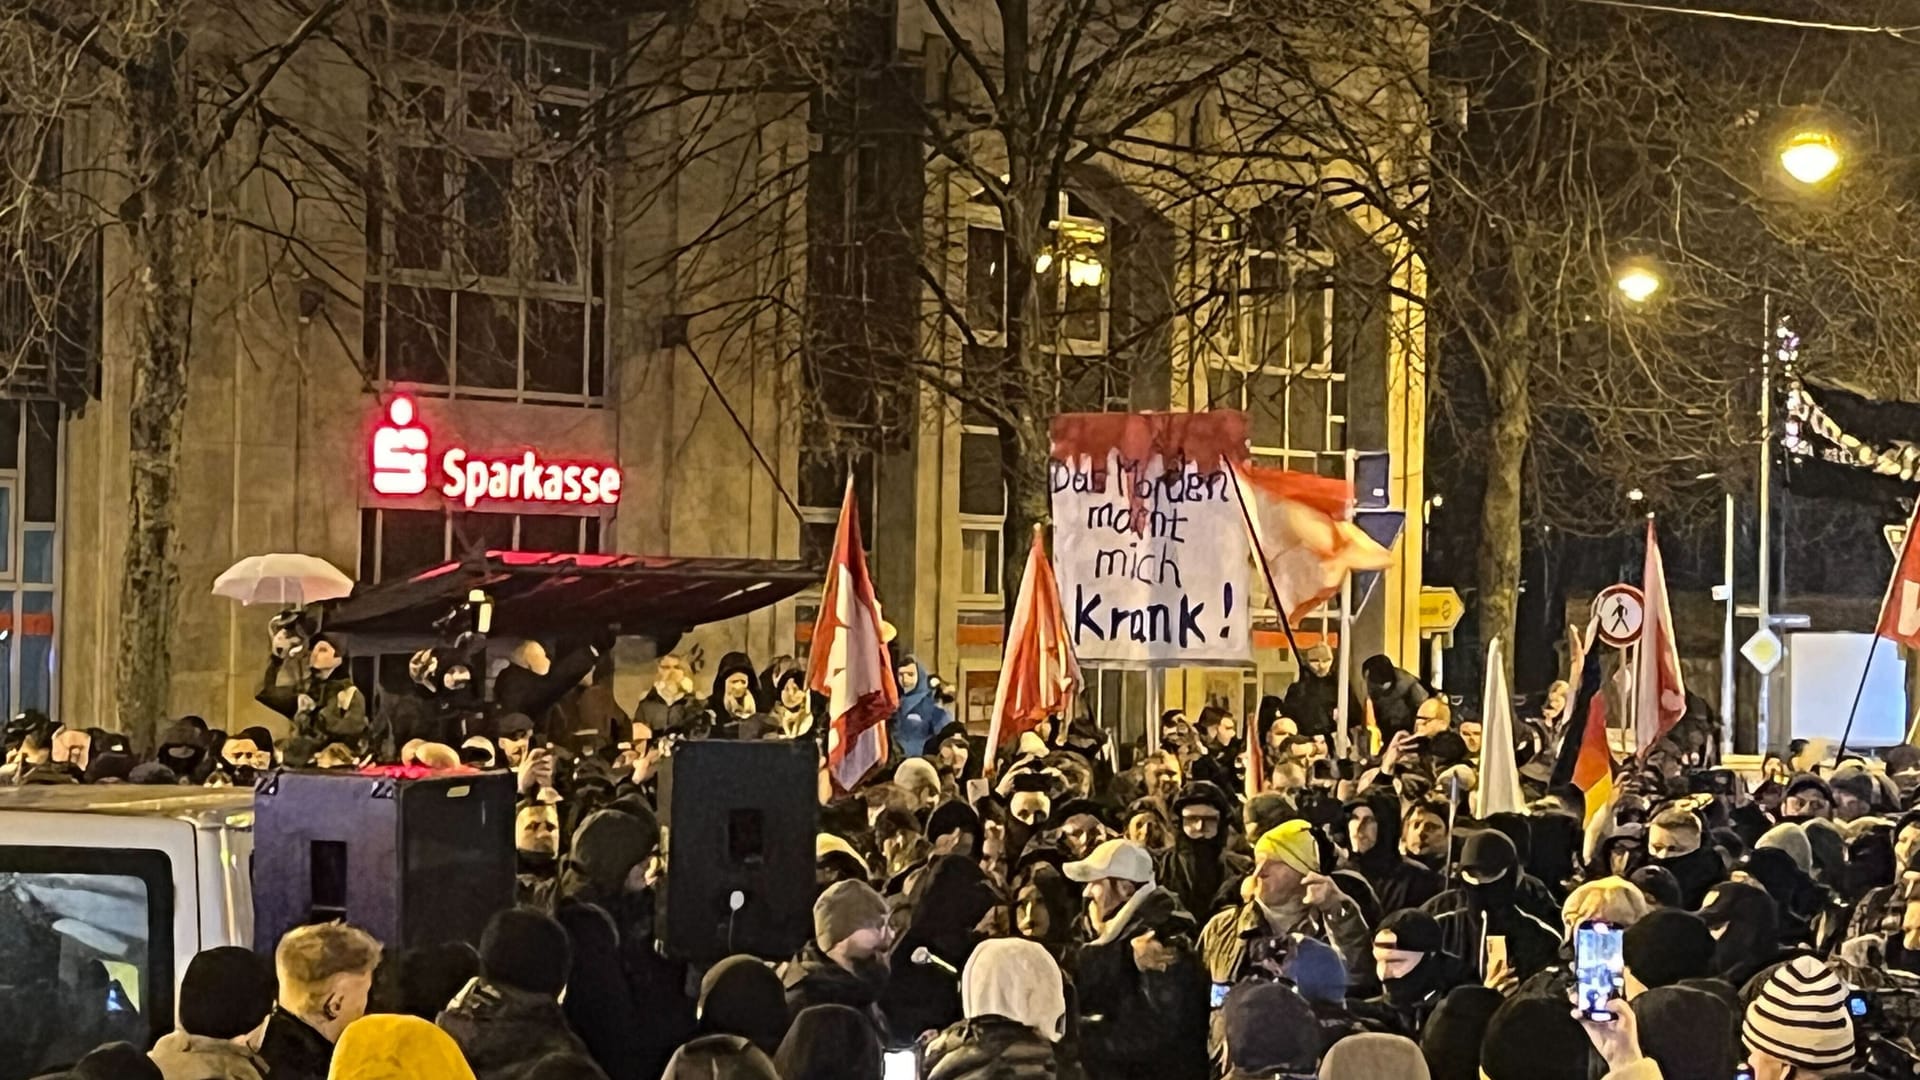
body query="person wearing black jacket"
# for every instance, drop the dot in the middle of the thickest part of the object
(510, 1017)
(1674, 842)
(533, 683)
(1486, 905)
(1414, 972)
(1199, 868)
(1142, 992)
(1396, 695)
(949, 900)
(625, 1001)
(1372, 824)
(1314, 697)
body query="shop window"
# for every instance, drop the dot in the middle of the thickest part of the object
(395, 543)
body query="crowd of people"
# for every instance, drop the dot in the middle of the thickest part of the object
(1108, 913)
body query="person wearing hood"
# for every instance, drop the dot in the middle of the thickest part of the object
(1883, 909)
(510, 1017)
(1314, 697)
(1674, 841)
(742, 996)
(1045, 906)
(397, 1048)
(920, 716)
(1746, 923)
(624, 1000)
(1690, 1033)
(1200, 868)
(183, 749)
(1395, 695)
(1413, 969)
(1533, 1038)
(533, 683)
(225, 998)
(1317, 972)
(792, 710)
(1664, 948)
(1013, 1006)
(1142, 994)
(1372, 825)
(953, 829)
(1809, 914)
(720, 1057)
(735, 700)
(948, 903)
(1534, 897)
(830, 1042)
(320, 700)
(1487, 904)
(846, 962)
(1270, 1032)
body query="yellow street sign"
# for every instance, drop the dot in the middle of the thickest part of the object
(1440, 610)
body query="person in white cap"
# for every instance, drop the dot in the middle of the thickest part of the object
(1142, 991)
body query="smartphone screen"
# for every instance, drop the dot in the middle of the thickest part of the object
(1599, 970)
(1219, 997)
(903, 1065)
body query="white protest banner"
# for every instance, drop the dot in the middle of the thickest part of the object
(1149, 542)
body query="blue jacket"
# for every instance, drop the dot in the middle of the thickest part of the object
(919, 717)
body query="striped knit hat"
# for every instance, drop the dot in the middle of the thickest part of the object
(1800, 1017)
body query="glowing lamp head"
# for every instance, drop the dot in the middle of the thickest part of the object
(1638, 283)
(1810, 157)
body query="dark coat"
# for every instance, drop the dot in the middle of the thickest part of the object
(1394, 706)
(990, 1048)
(293, 1050)
(1144, 1025)
(628, 1004)
(654, 711)
(503, 1031)
(812, 979)
(1312, 701)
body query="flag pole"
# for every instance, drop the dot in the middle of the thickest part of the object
(1873, 646)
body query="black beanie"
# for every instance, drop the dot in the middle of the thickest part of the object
(1451, 1040)
(1659, 885)
(1690, 1033)
(1270, 1028)
(1667, 946)
(1413, 929)
(952, 816)
(226, 993)
(1531, 1038)
(526, 950)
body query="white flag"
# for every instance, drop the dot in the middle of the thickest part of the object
(1499, 789)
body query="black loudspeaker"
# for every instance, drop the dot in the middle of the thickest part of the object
(738, 821)
(412, 862)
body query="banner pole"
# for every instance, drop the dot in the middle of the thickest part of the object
(1879, 620)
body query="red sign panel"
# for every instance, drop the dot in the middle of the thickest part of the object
(402, 449)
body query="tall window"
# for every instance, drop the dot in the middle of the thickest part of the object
(30, 438)
(1071, 278)
(1269, 327)
(983, 515)
(486, 225)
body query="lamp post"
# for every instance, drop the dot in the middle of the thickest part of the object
(1809, 157)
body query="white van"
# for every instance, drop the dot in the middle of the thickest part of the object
(106, 892)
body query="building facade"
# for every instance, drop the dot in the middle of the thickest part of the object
(520, 275)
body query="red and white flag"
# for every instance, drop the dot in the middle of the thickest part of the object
(1660, 698)
(849, 662)
(1038, 673)
(1302, 527)
(1900, 608)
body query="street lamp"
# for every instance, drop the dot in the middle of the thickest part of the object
(1810, 156)
(1638, 282)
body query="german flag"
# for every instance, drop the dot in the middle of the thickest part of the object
(1584, 761)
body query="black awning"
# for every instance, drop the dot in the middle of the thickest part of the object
(536, 593)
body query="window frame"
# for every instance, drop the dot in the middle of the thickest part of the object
(524, 144)
(965, 522)
(1093, 232)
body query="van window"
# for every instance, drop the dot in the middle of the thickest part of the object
(86, 952)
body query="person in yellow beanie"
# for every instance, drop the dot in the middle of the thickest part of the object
(1290, 899)
(386, 1047)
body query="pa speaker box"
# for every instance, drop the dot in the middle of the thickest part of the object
(737, 828)
(412, 862)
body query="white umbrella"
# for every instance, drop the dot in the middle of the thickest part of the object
(282, 579)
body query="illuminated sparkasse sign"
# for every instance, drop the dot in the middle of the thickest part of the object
(402, 449)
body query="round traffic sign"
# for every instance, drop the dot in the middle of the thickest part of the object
(1620, 611)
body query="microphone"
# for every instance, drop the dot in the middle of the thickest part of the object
(924, 957)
